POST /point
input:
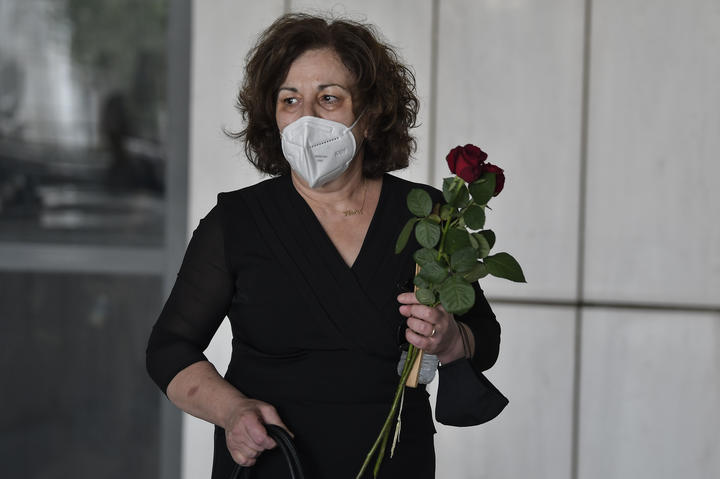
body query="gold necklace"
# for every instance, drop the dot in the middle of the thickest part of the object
(362, 207)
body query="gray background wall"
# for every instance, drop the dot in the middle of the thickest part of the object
(606, 117)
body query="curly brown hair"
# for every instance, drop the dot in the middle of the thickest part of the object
(385, 90)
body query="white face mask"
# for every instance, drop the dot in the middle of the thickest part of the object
(317, 149)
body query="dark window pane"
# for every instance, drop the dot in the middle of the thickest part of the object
(76, 399)
(82, 121)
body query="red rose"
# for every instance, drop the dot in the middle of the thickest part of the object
(499, 176)
(466, 162)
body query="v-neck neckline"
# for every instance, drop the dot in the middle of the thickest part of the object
(346, 295)
(319, 231)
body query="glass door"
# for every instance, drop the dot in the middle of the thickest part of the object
(93, 128)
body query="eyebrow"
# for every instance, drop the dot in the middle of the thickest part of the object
(322, 87)
(319, 88)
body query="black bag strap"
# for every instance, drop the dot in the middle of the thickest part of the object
(285, 443)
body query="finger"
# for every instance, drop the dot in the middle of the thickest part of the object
(420, 311)
(242, 460)
(243, 456)
(423, 328)
(240, 441)
(407, 298)
(270, 416)
(257, 435)
(241, 452)
(419, 341)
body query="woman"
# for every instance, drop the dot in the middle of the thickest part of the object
(303, 265)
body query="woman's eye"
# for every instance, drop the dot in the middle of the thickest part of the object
(290, 101)
(329, 99)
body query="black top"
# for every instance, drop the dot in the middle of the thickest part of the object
(313, 337)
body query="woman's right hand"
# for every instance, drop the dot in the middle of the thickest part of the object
(245, 433)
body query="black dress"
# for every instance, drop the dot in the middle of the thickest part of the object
(313, 337)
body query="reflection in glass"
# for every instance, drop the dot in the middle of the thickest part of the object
(76, 400)
(82, 120)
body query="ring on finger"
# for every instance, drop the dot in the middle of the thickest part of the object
(433, 332)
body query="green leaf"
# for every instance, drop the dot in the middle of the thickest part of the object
(462, 199)
(434, 218)
(473, 241)
(463, 260)
(450, 186)
(478, 271)
(421, 282)
(427, 233)
(419, 202)
(457, 238)
(404, 235)
(456, 295)
(424, 256)
(434, 272)
(474, 217)
(489, 236)
(483, 188)
(446, 212)
(483, 248)
(503, 265)
(425, 296)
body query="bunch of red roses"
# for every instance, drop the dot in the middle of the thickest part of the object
(455, 248)
(454, 253)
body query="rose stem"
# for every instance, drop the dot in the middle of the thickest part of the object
(412, 380)
(412, 352)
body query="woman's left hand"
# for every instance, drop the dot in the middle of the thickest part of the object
(431, 329)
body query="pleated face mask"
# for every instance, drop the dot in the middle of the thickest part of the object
(317, 149)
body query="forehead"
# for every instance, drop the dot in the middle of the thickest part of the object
(318, 66)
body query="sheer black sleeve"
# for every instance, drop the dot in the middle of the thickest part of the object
(485, 329)
(196, 306)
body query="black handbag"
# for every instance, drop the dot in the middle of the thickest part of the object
(285, 443)
(466, 397)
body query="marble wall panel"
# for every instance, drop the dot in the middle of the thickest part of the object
(650, 395)
(509, 80)
(653, 188)
(223, 32)
(532, 436)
